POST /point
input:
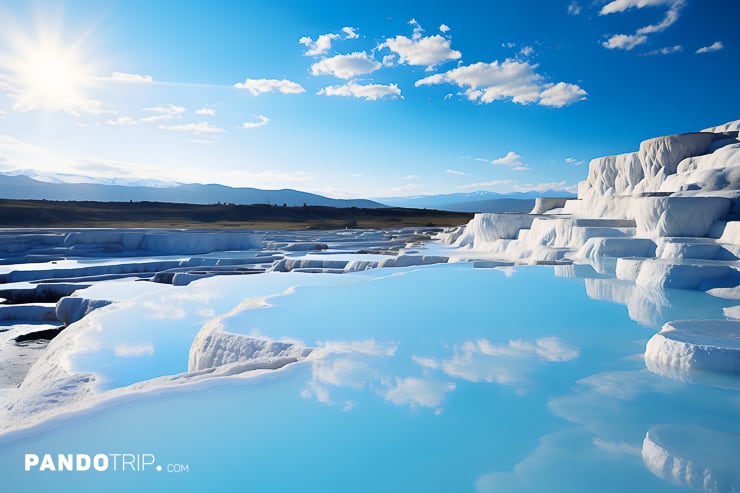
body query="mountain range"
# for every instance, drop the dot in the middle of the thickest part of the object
(475, 201)
(23, 187)
(29, 184)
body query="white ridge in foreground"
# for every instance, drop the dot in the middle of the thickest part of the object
(688, 345)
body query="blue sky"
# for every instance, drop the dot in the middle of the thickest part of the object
(353, 99)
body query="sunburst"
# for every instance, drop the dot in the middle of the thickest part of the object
(45, 72)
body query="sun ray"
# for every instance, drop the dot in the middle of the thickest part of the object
(45, 71)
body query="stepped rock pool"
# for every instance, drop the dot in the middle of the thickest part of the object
(443, 378)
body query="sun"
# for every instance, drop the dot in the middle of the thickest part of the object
(44, 72)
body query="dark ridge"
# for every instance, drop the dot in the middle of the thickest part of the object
(46, 213)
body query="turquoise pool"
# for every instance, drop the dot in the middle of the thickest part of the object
(437, 379)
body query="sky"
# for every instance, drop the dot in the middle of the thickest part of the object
(358, 99)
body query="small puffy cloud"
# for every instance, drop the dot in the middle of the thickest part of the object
(417, 392)
(195, 128)
(369, 92)
(443, 28)
(259, 86)
(624, 41)
(574, 161)
(510, 79)
(346, 66)
(350, 32)
(163, 113)
(562, 94)
(428, 51)
(526, 51)
(485, 184)
(323, 42)
(629, 41)
(121, 121)
(135, 78)
(512, 160)
(389, 60)
(716, 46)
(321, 45)
(456, 172)
(574, 8)
(262, 120)
(206, 111)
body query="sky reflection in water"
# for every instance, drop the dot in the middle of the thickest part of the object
(445, 378)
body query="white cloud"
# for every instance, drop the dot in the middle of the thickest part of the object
(196, 128)
(629, 41)
(512, 160)
(133, 350)
(507, 363)
(574, 161)
(418, 30)
(665, 51)
(411, 177)
(574, 8)
(320, 46)
(343, 372)
(526, 51)
(485, 184)
(369, 347)
(416, 392)
(562, 94)
(456, 172)
(624, 41)
(510, 79)
(262, 120)
(543, 187)
(428, 51)
(616, 6)
(346, 66)
(444, 28)
(206, 111)
(135, 78)
(716, 46)
(259, 86)
(163, 113)
(616, 447)
(323, 43)
(350, 32)
(122, 120)
(369, 92)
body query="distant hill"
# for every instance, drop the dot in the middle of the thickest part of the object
(23, 187)
(475, 201)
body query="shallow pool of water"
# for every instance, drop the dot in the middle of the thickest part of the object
(437, 379)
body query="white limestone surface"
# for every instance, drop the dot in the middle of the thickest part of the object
(690, 345)
(693, 457)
